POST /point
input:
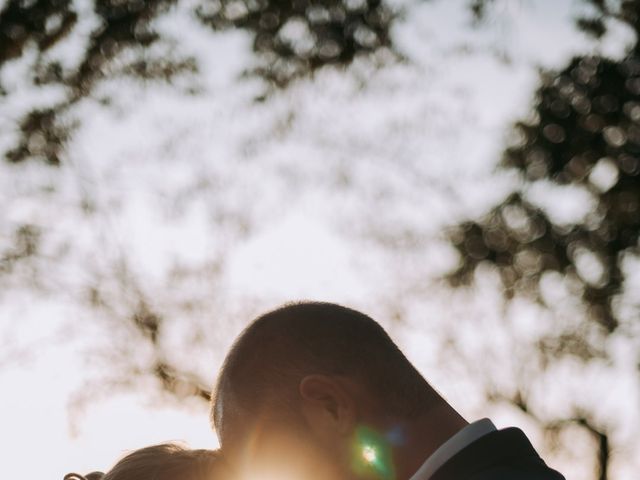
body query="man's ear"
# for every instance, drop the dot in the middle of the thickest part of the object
(328, 405)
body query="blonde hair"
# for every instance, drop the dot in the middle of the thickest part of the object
(167, 461)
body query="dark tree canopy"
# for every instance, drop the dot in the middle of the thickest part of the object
(45, 23)
(585, 131)
(299, 36)
(292, 37)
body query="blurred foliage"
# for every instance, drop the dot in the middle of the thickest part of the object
(585, 131)
(173, 380)
(299, 36)
(24, 245)
(45, 23)
(292, 37)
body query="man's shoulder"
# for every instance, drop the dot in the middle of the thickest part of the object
(502, 454)
(511, 473)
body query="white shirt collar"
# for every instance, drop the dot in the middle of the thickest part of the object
(451, 447)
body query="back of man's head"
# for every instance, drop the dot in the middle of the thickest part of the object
(262, 372)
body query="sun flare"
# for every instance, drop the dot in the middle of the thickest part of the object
(369, 453)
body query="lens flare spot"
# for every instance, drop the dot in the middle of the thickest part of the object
(369, 453)
(372, 456)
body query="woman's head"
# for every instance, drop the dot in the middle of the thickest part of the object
(167, 461)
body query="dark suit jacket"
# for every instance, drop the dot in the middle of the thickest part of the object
(501, 455)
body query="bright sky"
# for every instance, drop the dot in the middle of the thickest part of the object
(302, 196)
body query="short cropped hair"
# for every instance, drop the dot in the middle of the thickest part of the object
(167, 461)
(262, 372)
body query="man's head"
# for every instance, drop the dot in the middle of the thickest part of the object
(319, 389)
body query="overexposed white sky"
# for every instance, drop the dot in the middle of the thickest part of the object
(306, 195)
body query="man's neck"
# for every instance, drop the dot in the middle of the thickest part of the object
(423, 435)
